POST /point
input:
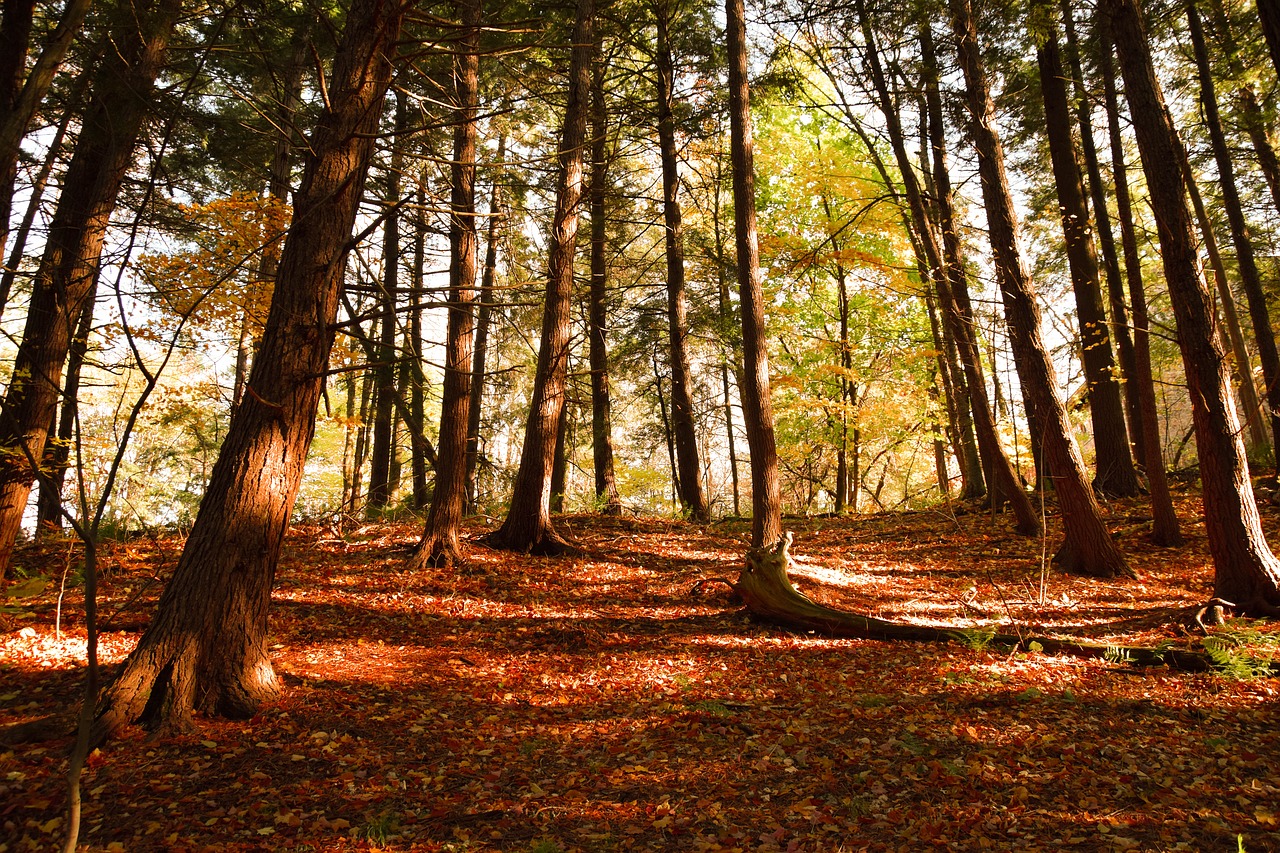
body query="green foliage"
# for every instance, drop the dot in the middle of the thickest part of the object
(1241, 651)
(380, 829)
(977, 638)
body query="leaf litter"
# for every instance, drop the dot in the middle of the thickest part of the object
(594, 703)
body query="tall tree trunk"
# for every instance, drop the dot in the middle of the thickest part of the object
(597, 310)
(1246, 263)
(487, 280)
(206, 647)
(1120, 328)
(22, 90)
(1269, 19)
(692, 498)
(439, 543)
(1001, 478)
(69, 265)
(757, 404)
(1164, 528)
(385, 369)
(528, 527)
(728, 343)
(560, 463)
(1114, 462)
(1087, 547)
(1245, 571)
(417, 377)
(667, 435)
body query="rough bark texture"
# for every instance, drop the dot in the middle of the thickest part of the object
(597, 309)
(757, 404)
(206, 647)
(1245, 571)
(1269, 18)
(1246, 262)
(1112, 456)
(1087, 547)
(1164, 527)
(69, 265)
(439, 543)
(528, 527)
(692, 498)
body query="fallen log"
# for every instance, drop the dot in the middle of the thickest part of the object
(766, 589)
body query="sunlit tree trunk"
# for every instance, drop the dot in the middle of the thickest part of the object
(1115, 474)
(385, 369)
(1246, 262)
(439, 543)
(692, 497)
(528, 527)
(757, 404)
(1245, 571)
(1164, 528)
(1087, 547)
(597, 310)
(206, 647)
(1120, 323)
(73, 247)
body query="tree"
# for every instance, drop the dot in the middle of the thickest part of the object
(1246, 573)
(1087, 547)
(439, 543)
(757, 405)
(69, 265)
(528, 526)
(689, 481)
(206, 646)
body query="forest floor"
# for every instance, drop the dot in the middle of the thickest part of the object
(594, 703)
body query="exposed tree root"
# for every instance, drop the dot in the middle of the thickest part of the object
(769, 595)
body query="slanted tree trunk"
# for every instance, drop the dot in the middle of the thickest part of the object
(69, 265)
(1114, 462)
(528, 527)
(385, 370)
(1120, 322)
(487, 280)
(692, 498)
(1245, 571)
(206, 647)
(757, 404)
(1164, 527)
(1246, 262)
(597, 309)
(1087, 547)
(439, 545)
(22, 90)
(1269, 19)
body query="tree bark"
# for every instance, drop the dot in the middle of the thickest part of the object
(597, 308)
(73, 247)
(1164, 527)
(417, 377)
(1245, 571)
(439, 545)
(483, 313)
(1113, 458)
(692, 497)
(757, 404)
(528, 527)
(1269, 19)
(206, 647)
(1246, 263)
(1087, 547)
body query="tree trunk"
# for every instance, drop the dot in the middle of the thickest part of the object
(757, 404)
(1113, 459)
(22, 90)
(1087, 547)
(1246, 263)
(487, 279)
(417, 377)
(1164, 528)
(206, 647)
(1269, 18)
(692, 498)
(439, 545)
(1120, 328)
(729, 346)
(385, 368)
(528, 527)
(1245, 571)
(597, 309)
(73, 246)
